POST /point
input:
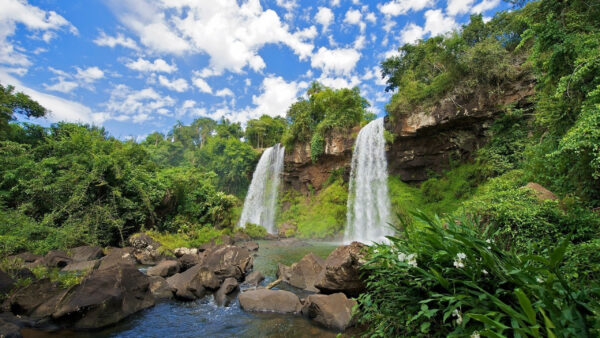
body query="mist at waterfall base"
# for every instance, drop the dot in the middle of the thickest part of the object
(261, 200)
(368, 212)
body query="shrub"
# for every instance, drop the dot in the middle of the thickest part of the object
(445, 278)
(254, 231)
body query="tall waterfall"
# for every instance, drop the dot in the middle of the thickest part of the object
(261, 199)
(368, 198)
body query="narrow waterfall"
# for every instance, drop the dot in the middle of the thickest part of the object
(369, 205)
(261, 200)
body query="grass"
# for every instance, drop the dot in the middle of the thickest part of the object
(189, 239)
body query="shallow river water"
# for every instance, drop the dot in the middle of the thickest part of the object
(203, 318)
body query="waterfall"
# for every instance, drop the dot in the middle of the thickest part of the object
(369, 205)
(261, 200)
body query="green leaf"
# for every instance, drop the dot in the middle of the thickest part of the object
(526, 306)
(488, 321)
(559, 252)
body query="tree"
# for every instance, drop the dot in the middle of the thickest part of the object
(265, 131)
(12, 103)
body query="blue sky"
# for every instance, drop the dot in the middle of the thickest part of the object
(138, 66)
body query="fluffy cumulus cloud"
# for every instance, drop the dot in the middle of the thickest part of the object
(230, 32)
(146, 66)
(485, 6)
(201, 84)
(65, 82)
(400, 7)
(178, 85)
(324, 17)
(335, 61)
(411, 33)
(113, 41)
(43, 25)
(127, 104)
(437, 23)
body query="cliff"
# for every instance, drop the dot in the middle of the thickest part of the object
(425, 140)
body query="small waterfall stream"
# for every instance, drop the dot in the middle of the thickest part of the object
(261, 200)
(368, 199)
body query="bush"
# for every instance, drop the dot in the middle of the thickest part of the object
(445, 278)
(254, 231)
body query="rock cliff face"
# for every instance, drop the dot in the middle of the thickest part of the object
(301, 174)
(425, 140)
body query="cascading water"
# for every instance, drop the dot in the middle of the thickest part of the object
(261, 199)
(368, 198)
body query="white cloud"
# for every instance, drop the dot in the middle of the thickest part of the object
(34, 19)
(178, 85)
(456, 7)
(66, 83)
(224, 92)
(230, 32)
(335, 3)
(324, 17)
(338, 82)
(62, 85)
(189, 108)
(371, 17)
(411, 33)
(137, 105)
(202, 85)
(60, 109)
(359, 43)
(248, 82)
(89, 75)
(437, 23)
(484, 6)
(113, 41)
(337, 61)
(145, 66)
(354, 17)
(400, 7)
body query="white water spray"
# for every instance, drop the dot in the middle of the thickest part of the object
(369, 205)
(261, 200)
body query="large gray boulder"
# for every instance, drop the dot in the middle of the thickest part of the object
(82, 266)
(37, 300)
(229, 286)
(228, 261)
(56, 259)
(342, 270)
(165, 268)
(117, 256)
(26, 257)
(10, 325)
(265, 300)
(333, 311)
(86, 253)
(6, 283)
(160, 289)
(105, 297)
(254, 278)
(188, 260)
(304, 273)
(192, 283)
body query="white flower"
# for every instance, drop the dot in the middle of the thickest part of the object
(461, 255)
(402, 256)
(539, 280)
(458, 262)
(408, 259)
(475, 334)
(484, 271)
(458, 316)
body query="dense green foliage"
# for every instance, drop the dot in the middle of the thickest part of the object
(449, 278)
(12, 103)
(324, 111)
(265, 131)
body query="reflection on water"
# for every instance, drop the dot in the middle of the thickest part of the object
(203, 318)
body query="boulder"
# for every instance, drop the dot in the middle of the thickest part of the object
(266, 300)
(179, 252)
(26, 257)
(192, 283)
(105, 297)
(251, 246)
(284, 272)
(6, 282)
(148, 256)
(286, 230)
(86, 253)
(304, 273)
(240, 237)
(117, 256)
(226, 240)
(228, 261)
(188, 260)
(143, 241)
(37, 300)
(164, 269)
(342, 270)
(159, 288)
(10, 325)
(254, 278)
(540, 192)
(333, 311)
(229, 286)
(82, 266)
(56, 259)
(22, 273)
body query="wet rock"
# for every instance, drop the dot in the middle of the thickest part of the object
(265, 300)
(6, 282)
(188, 260)
(229, 286)
(159, 288)
(287, 230)
(540, 192)
(240, 237)
(145, 249)
(192, 283)
(254, 278)
(333, 311)
(148, 257)
(105, 297)
(38, 299)
(86, 253)
(56, 259)
(82, 266)
(179, 252)
(10, 325)
(304, 273)
(251, 246)
(284, 272)
(117, 256)
(164, 269)
(342, 270)
(229, 261)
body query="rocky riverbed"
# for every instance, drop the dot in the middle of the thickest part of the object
(217, 290)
